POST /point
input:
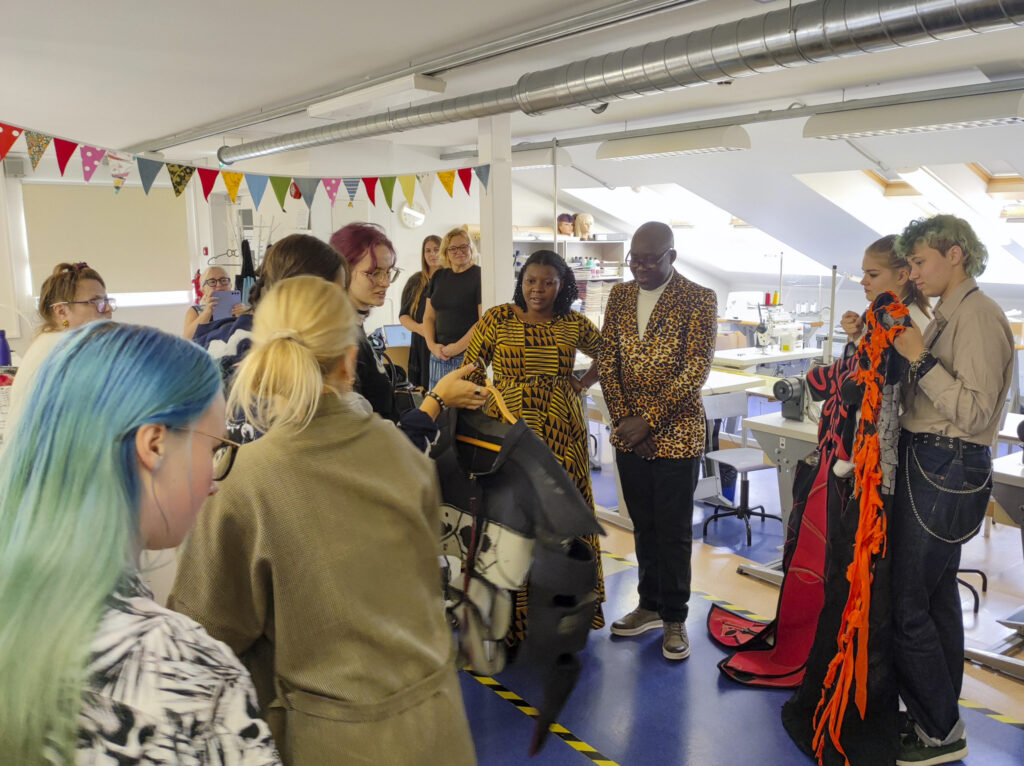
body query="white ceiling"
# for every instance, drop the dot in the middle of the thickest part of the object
(116, 73)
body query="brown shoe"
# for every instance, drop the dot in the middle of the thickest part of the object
(636, 622)
(675, 644)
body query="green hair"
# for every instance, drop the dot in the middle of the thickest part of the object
(942, 232)
(70, 493)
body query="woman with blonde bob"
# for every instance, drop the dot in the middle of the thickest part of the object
(316, 568)
(115, 454)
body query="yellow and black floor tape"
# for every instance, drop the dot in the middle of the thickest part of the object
(992, 714)
(557, 729)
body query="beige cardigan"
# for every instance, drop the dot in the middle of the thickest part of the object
(317, 562)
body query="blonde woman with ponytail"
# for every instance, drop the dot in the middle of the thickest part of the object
(317, 560)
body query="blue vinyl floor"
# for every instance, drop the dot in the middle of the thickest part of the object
(634, 708)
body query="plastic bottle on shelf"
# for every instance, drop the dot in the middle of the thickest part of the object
(5, 350)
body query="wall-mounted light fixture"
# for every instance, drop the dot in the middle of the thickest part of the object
(980, 111)
(704, 141)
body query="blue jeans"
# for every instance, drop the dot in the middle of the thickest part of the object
(940, 503)
(439, 367)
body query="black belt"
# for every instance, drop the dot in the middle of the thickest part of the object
(951, 443)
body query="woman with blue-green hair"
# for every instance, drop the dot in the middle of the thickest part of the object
(92, 670)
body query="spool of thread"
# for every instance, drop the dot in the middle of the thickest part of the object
(767, 299)
(775, 298)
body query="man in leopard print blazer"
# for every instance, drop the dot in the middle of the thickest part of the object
(659, 334)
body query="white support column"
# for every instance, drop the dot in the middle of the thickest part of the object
(16, 304)
(496, 251)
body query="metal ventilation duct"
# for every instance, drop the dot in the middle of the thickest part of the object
(816, 31)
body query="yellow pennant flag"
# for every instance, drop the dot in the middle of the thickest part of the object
(232, 181)
(408, 184)
(447, 180)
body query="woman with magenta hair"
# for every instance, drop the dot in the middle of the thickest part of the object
(371, 259)
(92, 670)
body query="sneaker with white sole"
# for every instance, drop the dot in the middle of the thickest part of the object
(636, 622)
(914, 752)
(675, 643)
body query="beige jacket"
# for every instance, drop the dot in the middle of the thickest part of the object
(317, 563)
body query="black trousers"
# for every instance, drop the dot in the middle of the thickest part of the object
(659, 497)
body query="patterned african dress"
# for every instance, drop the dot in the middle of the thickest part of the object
(531, 364)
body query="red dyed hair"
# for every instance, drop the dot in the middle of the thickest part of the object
(355, 239)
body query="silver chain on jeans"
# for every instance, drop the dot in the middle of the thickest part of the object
(913, 505)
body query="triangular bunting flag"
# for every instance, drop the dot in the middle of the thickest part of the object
(232, 181)
(331, 187)
(351, 186)
(280, 184)
(387, 183)
(466, 175)
(427, 184)
(308, 187)
(147, 171)
(91, 158)
(371, 189)
(180, 176)
(208, 177)
(65, 151)
(257, 186)
(37, 143)
(8, 135)
(447, 180)
(120, 168)
(408, 184)
(483, 172)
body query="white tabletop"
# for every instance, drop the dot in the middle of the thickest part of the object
(720, 382)
(742, 358)
(1009, 469)
(773, 423)
(1008, 433)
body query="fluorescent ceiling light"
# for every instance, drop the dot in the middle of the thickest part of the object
(533, 159)
(399, 91)
(981, 111)
(728, 139)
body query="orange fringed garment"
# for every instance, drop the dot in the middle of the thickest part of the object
(849, 667)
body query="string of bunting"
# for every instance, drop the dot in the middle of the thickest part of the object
(122, 165)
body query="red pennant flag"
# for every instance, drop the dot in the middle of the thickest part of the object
(466, 175)
(65, 150)
(8, 135)
(208, 177)
(371, 189)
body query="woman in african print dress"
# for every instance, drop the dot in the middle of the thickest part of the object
(531, 345)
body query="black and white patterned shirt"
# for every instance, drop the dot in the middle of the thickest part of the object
(162, 691)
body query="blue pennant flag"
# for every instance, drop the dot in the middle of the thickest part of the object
(351, 186)
(147, 171)
(257, 185)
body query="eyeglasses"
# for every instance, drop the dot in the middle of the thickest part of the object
(102, 304)
(223, 456)
(382, 276)
(453, 249)
(218, 282)
(645, 261)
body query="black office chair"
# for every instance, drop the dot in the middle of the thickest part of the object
(743, 460)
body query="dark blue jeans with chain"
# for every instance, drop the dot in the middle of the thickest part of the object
(943, 490)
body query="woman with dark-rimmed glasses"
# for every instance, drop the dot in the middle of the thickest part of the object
(214, 279)
(73, 295)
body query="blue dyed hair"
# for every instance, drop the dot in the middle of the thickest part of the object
(70, 495)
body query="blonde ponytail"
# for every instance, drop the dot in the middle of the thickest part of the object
(303, 326)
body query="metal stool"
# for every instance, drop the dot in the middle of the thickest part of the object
(743, 460)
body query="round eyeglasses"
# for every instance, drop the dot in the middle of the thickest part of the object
(382, 276)
(218, 282)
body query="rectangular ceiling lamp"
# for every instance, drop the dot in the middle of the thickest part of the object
(533, 159)
(398, 91)
(705, 141)
(981, 111)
